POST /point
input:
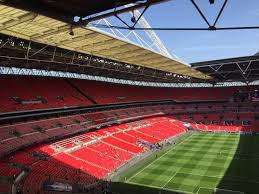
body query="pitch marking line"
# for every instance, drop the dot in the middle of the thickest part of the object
(228, 190)
(158, 158)
(198, 190)
(160, 188)
(163, 187)
(220, 177)
(169, 180)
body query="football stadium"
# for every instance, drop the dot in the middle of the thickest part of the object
(92, 101)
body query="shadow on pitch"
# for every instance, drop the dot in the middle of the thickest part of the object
(242, 174)
(126, 188)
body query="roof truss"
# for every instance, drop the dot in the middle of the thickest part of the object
(245, 69)
(48, 31)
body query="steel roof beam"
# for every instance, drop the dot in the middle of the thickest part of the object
(117, 12)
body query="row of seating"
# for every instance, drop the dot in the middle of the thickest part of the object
(122, 144)
(232, 128)
(29, 93)
(241, 122)
(5, 187)
(118, 154)
(7, 171)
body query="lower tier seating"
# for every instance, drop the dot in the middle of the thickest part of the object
(111, 151)
(8, 171)
(5, 187)
(82, 159)
(123, 144)
(13, 136)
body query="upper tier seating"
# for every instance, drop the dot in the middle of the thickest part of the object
(20, 93)
(101, 92)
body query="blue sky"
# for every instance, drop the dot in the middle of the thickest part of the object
(194, 46)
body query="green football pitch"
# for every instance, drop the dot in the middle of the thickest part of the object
(201, 163)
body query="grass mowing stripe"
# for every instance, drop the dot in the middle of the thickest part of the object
(204, 152)
(156, 159)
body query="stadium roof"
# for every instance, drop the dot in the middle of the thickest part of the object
(65, 10)
(38, 28)
(245, 69)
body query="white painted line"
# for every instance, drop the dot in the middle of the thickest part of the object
(198, 190)
(169, 180)
(166, 189)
